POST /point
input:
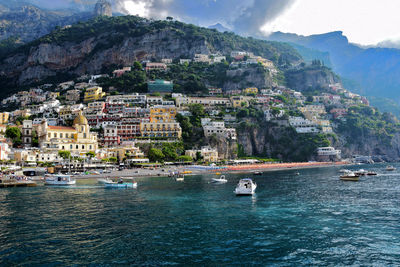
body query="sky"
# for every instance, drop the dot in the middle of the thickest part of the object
(366, 22)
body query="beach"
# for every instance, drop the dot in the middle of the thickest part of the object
(246, 168)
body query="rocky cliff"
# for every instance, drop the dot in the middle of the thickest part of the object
(86, 48)
(310, 78)
(251, 76)
(277, 140)
(103, 8)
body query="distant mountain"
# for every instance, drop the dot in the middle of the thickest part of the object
(219, 27)
(28, 22)
(374, 72)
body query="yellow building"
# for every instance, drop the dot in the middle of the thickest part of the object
(162, 114)
(240, 101)
(207, 153)
(160, 129)
(250, 90)
(77, 139)
(93, 94)
(4, 116)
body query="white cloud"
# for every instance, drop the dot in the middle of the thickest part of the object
(363, 21)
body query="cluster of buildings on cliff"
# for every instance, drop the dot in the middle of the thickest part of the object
(80, 117)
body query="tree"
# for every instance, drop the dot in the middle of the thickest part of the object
(198, 156)
(185, 158)
(170, 18)
(90, 154)
(13, 132)
(64, 154)
(155, 155)
(35, 139)
(112, 159)
(169, 151)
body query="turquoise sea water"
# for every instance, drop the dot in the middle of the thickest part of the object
(310, 219)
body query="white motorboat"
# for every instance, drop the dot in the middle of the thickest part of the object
(59, 179)
(360, 172)
(245, 186)
(390, 168)
(104, 180)
(220, 180)
(350, 176)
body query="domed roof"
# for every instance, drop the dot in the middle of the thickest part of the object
(80, 119)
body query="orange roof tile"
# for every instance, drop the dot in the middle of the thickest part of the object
(65, 128)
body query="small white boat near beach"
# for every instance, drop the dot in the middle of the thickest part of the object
(59, 179)
(120, 184)
(245, 187)
(220, 180)
(104, 180)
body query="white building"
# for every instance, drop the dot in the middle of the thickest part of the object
(328, 151)
(303, 125)
(218, 128)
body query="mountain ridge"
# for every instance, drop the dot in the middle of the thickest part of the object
(374, 71)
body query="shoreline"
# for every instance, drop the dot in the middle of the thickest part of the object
(237, 169)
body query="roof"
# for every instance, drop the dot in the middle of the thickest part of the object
(61, 128)
(80, 119)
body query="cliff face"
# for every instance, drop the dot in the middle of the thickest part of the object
(388, 149)
(102, 8)
(87, 48)
(252, 76)
(310, 78)
(277, 140)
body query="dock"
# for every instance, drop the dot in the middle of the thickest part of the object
(15, 183)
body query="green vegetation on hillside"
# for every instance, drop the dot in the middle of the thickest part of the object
(364, 121)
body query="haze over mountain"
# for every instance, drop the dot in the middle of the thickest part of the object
(374, 72)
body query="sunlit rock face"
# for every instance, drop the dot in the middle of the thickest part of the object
(103, 8)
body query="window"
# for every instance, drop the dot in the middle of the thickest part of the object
(61, 135)
(55, 134)
(49, 135)
(70, 146)
(77, 147)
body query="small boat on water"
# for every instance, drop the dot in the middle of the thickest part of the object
(180, 178)
(390, 168)
(59, 179)
(296, 173)
(350, 176)
(371, 173)
(257, 173)
(360, 172)
(120, 184)
(343, 170)
(220, 180)
(245, 187)
(104, 180)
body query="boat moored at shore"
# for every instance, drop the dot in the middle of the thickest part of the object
(59, 179)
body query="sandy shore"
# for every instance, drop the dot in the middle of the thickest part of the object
(164, 171)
